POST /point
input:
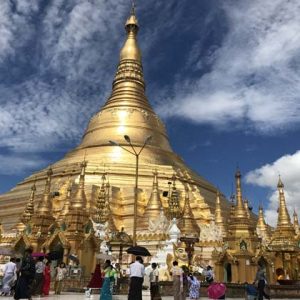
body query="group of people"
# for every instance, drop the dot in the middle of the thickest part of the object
(136, 278)
(29, 277)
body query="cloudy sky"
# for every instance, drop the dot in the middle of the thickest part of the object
(223, 75)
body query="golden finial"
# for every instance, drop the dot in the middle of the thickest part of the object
(131, 49)
(280, 184)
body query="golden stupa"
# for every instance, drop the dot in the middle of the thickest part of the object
(59, 208)
(78, 176)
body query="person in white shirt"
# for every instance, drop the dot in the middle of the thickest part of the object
(136, 273)
(9, 277)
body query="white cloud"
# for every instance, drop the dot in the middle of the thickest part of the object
(288, 166)
(253, 78)
(19, 164)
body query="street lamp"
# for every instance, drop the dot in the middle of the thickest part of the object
(136, 154)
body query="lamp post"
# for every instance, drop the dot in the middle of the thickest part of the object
(136, 154)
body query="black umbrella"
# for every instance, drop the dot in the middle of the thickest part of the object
(138, 250)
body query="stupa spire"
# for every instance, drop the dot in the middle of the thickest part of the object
(29, 209)
(240, 211)
(101, 215)
(79, 201)
(218, 214)
(283, 214)
(246, 205)
(173, 200)
(45, 205)
(187, 224)
(67, 203)
(296, 222)
(153, 208)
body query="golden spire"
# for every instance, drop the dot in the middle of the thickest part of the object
(45, 206)
(261, 226)
(218, 215)
(79, 201)
(152, 210)
(111, 223)
(283, 214)
(296, 222)
(67, 203)
(101, 215)
(127, 110)
(173, 201)
(240, 212)
(131, 50)
(187, 224)
(246, 205)
(29, 209)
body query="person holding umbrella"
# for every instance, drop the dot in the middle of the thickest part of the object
(136, 273)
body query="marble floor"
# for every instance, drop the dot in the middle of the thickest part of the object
(77, 296)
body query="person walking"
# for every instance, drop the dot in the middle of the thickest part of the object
(108, 279)
(39, 276)
(194, 287)
(47, 279)
(209, 274)
(154, 287)
(177, 275)
(61, 272)
(260, 281)
(136, 273)
(27, 272)
(9, 277)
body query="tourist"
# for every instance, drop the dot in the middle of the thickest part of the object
(154, 287)
(47, 279)
(9, 277)
(39, 276)
(177, 275)
(194, 288)
(209, 274)
(27, 272)
(108, 277)
(260, 280)
(61, 272)
(136, 273)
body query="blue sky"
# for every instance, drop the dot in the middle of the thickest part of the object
(223, 75)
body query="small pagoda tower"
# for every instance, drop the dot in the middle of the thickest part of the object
(240, 244)
(43, 218)
(284, 241)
